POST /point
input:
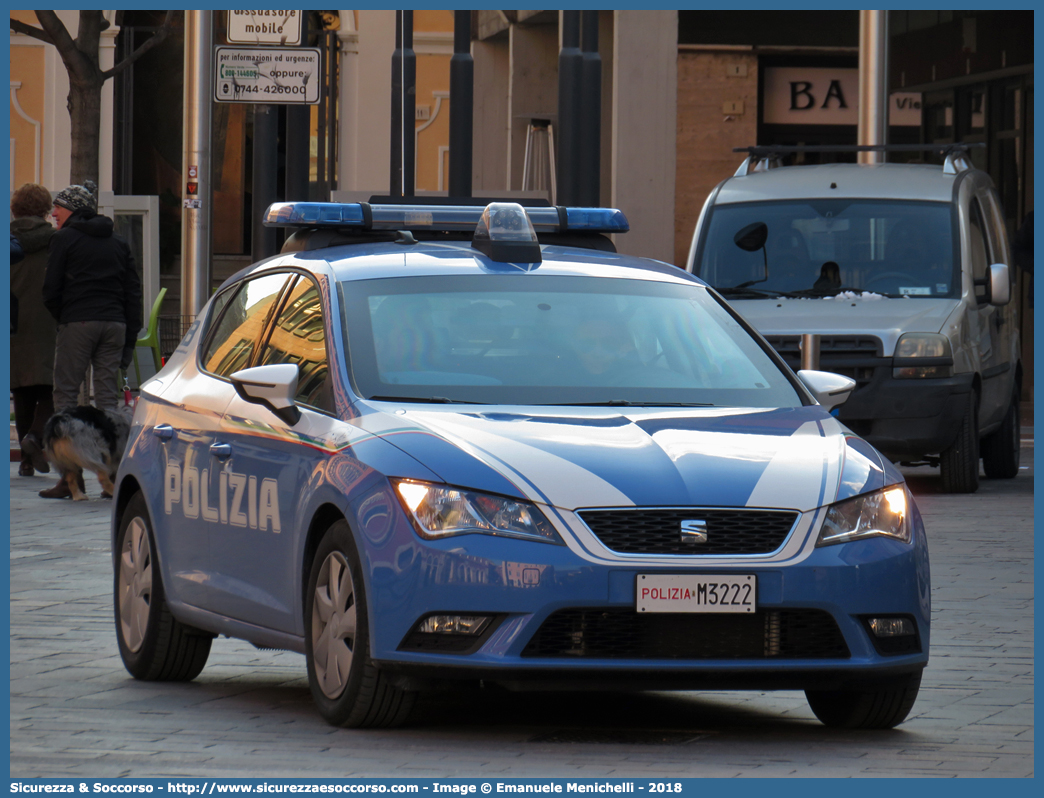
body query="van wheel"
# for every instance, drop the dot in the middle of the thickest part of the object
(959, 465)
(153, 644)
(346, 687)
(1000, 449)
(883, 706)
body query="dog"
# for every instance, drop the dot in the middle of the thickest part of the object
(86, 438)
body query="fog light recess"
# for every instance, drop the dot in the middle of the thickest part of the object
(453, 624)
(450, 633)
(892, 627)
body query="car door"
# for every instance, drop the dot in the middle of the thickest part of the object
(272, 463)
(230, 346)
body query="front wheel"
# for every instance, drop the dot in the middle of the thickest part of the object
(345, 685)
(883, 706)
(1000, 449)
(959, 465)
(153, 644)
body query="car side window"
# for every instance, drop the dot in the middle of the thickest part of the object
(299, 336)
(977, 241)
(240, 328)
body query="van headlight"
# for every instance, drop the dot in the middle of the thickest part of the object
(438, 511)
(883, 512)
(934, 357)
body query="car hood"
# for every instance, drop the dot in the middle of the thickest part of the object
(873, 314)
(799, 458)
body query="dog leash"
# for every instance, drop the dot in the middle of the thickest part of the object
(127, 400)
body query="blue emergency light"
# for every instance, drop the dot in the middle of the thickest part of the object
(364, 216)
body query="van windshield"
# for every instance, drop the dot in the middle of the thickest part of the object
(825, 247)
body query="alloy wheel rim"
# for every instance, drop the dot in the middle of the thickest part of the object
(135, 590)
(333, 625)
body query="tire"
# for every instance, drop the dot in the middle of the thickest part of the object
(346, 686)
(153, 644)
(959, 465)
(883, 707)
(1000, 449)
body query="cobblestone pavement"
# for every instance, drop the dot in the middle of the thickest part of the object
(75, 712)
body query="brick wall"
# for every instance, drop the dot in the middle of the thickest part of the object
(708, 79)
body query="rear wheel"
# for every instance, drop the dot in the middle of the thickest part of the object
(1000, 449)
(959, 465)
(346, 686)
(153, 644)
(883, 706)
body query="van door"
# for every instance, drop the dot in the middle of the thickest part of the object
(994, 365)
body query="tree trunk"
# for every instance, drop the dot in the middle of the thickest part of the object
(85, 118)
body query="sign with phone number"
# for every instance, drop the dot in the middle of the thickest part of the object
(270, 75)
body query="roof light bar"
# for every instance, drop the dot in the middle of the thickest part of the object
(364, 216)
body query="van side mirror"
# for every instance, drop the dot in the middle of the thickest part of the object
(999, 286)
(829, 389)
(272, 386)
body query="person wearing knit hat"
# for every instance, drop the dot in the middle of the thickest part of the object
(93, 290)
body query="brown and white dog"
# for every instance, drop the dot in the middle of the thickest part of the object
(86, 438)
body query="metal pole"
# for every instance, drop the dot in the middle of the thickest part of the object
(265, 155)
(395, 178)
(196, 211)
(570, 62)
(873, 83)
(462, 87)
(298, 140)
(810, 351)
(409, 107)
(590, 166)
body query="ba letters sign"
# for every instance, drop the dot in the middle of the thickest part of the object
(823, 96)
(264, 27)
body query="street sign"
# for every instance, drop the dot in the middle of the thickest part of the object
(264, 27)
(270, 75)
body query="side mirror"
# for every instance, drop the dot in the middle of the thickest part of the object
(999, 285)
(271, 386)
(829, 389)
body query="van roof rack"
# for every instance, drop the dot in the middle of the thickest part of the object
(760, 158)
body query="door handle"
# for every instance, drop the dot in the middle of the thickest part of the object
(222, 451)
(164, 432)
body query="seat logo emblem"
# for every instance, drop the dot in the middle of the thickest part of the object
(693, 531)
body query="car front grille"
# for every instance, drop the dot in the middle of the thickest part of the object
(626, 634)
(854, 356)
(658, 531)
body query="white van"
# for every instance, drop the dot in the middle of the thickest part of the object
(902, 270)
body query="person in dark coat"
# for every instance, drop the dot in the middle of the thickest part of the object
(32, 342)
(93, 290)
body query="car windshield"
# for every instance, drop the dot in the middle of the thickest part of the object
(825, 247)
(553, 340)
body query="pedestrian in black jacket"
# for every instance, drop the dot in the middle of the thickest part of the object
(93, 290)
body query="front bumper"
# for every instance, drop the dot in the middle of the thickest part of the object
(523, 584)
(908, 418)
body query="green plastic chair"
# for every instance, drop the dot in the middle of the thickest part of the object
(151, 337)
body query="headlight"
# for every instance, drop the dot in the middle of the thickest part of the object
(884, 512)
(931, 350)
(438, 511)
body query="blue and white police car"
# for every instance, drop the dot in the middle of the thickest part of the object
(432, 444)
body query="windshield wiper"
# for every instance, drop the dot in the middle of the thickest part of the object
(434, 400)
(737, 290)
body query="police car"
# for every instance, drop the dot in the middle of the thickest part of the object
(432, 444)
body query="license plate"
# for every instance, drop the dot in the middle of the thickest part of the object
(687, 593)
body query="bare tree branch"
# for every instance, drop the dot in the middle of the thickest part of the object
(152, 41)
(29, 30)
(76, 63)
